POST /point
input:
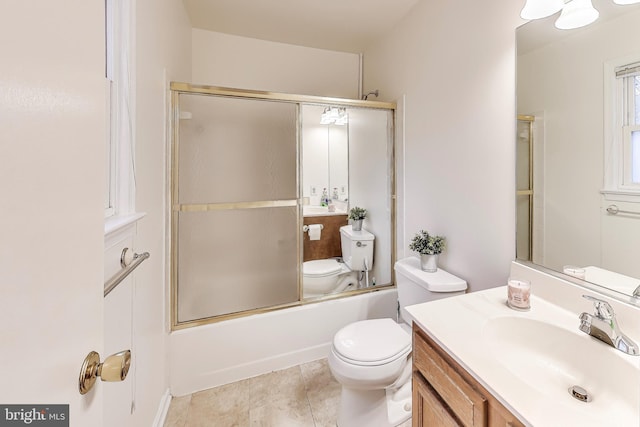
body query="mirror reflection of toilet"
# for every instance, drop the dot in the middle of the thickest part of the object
(329, 276)
(371, 359)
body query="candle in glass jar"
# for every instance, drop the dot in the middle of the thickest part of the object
(574, 271)
(519, 294)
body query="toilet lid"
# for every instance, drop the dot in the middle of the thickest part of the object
(321, 268)
(372, 342)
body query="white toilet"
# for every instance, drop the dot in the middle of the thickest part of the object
(371, 359)
(328, 276)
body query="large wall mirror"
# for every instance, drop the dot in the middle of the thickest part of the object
(578, 202)
(262, 187)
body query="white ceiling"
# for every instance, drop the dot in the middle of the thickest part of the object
(342, 25)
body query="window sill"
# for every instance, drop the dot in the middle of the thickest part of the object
(119, 223)
(621, 195)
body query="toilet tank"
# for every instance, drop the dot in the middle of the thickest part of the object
(416, 286)
(357, 248)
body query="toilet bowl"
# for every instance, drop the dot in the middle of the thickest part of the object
(371, 359)
(326, 276)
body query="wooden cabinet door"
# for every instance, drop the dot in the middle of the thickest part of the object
(428, 407)
(468, 405)
(445, 394)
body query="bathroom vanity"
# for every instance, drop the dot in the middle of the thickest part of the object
(444, 392)
(477, 362)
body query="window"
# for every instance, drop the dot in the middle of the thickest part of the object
(120, 176)
(109, 189)
(622, 130)
(629, 122)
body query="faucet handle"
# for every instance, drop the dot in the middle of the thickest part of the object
(602, 308)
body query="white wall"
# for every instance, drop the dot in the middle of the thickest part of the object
(245, 63)
(565, 80)
(163, 54)
(454, 63)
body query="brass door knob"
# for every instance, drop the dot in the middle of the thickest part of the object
(114, 368)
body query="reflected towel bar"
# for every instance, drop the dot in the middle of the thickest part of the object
(613, 210)
(122, 274)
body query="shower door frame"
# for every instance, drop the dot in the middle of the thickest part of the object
(528, 192)
(177, 88)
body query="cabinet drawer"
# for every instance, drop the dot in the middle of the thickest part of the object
(467, 404)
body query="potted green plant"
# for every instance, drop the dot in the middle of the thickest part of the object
(429, 247)
(357, 215)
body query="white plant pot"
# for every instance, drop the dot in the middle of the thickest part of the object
(429, 263)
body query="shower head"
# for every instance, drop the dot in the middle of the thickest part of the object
(375, 92)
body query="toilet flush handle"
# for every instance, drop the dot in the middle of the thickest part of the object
(359, 244)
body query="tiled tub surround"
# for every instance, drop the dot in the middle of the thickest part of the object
(462, 326)
(305, 396)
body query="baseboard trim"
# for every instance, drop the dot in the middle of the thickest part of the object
(163, 409)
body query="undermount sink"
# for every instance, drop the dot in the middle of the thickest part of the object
(555, 359)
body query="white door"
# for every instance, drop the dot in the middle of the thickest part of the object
(52, 133)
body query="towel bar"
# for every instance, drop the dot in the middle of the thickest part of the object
(122, 274)
(613, 210)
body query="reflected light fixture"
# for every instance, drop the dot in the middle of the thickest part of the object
(575, 13)
(334, 115)
(537, 9)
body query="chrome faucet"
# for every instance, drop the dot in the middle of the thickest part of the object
(604, 326)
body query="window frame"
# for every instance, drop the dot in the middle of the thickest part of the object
(120, 110)
(618, 104)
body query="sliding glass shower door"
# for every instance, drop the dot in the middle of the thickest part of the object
(235, 222)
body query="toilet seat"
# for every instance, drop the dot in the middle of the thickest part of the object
(371, 342)
(321, 268)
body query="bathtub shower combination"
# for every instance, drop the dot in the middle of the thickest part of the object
(243, 166)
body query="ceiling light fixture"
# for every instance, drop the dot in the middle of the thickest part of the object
(537, 9)
(575, 13)
(334, 115)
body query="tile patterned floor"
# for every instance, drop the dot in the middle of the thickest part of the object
(303, 396)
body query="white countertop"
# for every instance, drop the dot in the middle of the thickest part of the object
(309, 211)
(463, 327)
